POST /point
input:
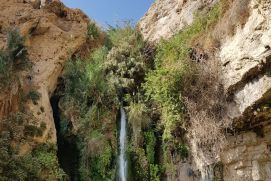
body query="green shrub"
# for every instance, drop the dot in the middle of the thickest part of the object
(76, 81)
(150, 143)
(183, 150)
(97, 166)
(139, 163)
(47, 159)
(93, 31)
(154, 172)
(174, 69)
(31, 130)
(15, 47)
(34, 131)
(101, 90)
(13, 58)
(138, 119)
(126, 65)
(4, 67)
(34, 96)
(91, 99)
(41, 164)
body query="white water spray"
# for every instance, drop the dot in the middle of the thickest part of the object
(122, 156)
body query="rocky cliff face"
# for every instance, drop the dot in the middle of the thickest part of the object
(167, 17)
(52, 34)
(245, 59)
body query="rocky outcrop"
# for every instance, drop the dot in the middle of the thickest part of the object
(52, 34)
(166, 17)
(247, 156)
(246, 59)
(246, 64)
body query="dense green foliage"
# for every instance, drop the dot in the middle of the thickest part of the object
(90, 98)
(13, 58)
(92, 87)
(40, 164)
(153, 97)
(126, 65)
(150, 142)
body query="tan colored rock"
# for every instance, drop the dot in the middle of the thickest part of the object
(53, 34)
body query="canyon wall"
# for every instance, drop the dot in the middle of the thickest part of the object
(245, 57)
(52, 34)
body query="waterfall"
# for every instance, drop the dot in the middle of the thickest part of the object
(122, 139)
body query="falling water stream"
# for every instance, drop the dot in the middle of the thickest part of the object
(122, 156)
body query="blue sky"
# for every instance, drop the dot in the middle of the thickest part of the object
(111, 11)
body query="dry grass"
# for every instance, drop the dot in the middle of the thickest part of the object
(206, 106)
(236, 13)
(233, 14)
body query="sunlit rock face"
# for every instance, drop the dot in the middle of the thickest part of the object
(247, 156)
(52, 33)
(246, 59)
(245, 69)
(166, 17)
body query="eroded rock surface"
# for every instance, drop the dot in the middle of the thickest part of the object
(53, 33)
(246, 57)
(247, 156)
(166, 17)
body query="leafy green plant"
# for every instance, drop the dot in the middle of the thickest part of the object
(97, 165)
(154, 172)
(14, 57)
(91, 99)
(126, 65)
(93, 31)
(183, 150)
(76, 81)
(47, 160)
(33, 95)
(31, 130)
(138, 119)
(40, 164)
(150, 143)
(139, 163)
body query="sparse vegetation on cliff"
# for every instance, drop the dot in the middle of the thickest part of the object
(13, 58)
(40, 164)
(167, 84)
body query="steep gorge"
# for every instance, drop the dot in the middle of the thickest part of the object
(194, 77)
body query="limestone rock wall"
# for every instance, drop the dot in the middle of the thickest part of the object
(246, 58)
(53, 33)
(247, 156)
(167, 17)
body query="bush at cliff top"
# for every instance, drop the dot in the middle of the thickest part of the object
(93, 31)
(126, 65)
